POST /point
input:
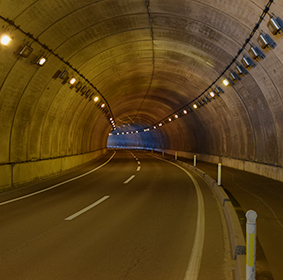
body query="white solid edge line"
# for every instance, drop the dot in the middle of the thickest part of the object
(196, 255)
(57, 185)
(138, 169)
(130, 179)
(87, 208)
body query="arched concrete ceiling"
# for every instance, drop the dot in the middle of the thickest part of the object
(148, 58)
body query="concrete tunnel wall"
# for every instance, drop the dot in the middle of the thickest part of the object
(146, 59)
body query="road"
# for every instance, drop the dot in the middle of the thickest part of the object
(126, 216)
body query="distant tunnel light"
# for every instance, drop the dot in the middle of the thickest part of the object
(160, 124)
(185, 112)
(212, 94)
(176, 116)
(226, 82)
(5, 40)
(41, 61)
(102, 105)
(96, 99)
(195, 106)
(154, 127)
(72, 81)
(169, 119)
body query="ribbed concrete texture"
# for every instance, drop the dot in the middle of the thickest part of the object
(144, 60)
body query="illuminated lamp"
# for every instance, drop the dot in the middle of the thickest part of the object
(72, 81)
(176, 116)
(96, 98)
(169, 119)
(41, 60)
(185, 112)
(5, 40)
(102, 105)
(195, 106)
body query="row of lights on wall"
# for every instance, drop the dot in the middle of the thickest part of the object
(85, 88)
(275, 25)
(25, 51)
(85, 91)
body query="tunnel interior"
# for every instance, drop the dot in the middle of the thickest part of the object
(128, 73)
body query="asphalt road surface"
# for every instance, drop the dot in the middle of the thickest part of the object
(126, 216)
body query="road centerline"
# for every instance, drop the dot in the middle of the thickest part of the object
(75, 215)
(130, 179)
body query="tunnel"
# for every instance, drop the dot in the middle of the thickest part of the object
(114, 117)
(79, 77)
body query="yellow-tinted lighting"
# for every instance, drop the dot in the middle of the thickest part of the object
(102, 105)
(160, 124)
(212, 94)
(176, 116)
(195, 106)
(73, 81)
(5, 40)
(169, 119)
(41, 61)
(226, 82)
(185, 112)
(96, 99)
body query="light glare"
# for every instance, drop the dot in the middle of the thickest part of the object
(5, 40)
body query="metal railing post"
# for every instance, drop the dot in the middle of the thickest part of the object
(195, 160)
(251, 245)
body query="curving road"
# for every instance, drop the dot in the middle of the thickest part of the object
(127, 216)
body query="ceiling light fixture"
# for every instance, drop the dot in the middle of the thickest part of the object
(26, 51)
(5, 40)
(41, 61)
(274, 25)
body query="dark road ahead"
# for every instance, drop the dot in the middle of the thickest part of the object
(135, 217)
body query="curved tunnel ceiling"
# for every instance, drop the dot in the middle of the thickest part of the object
(146, 59)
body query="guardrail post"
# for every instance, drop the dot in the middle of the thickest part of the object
(251, 245)
(219, 174)
(195, 160)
